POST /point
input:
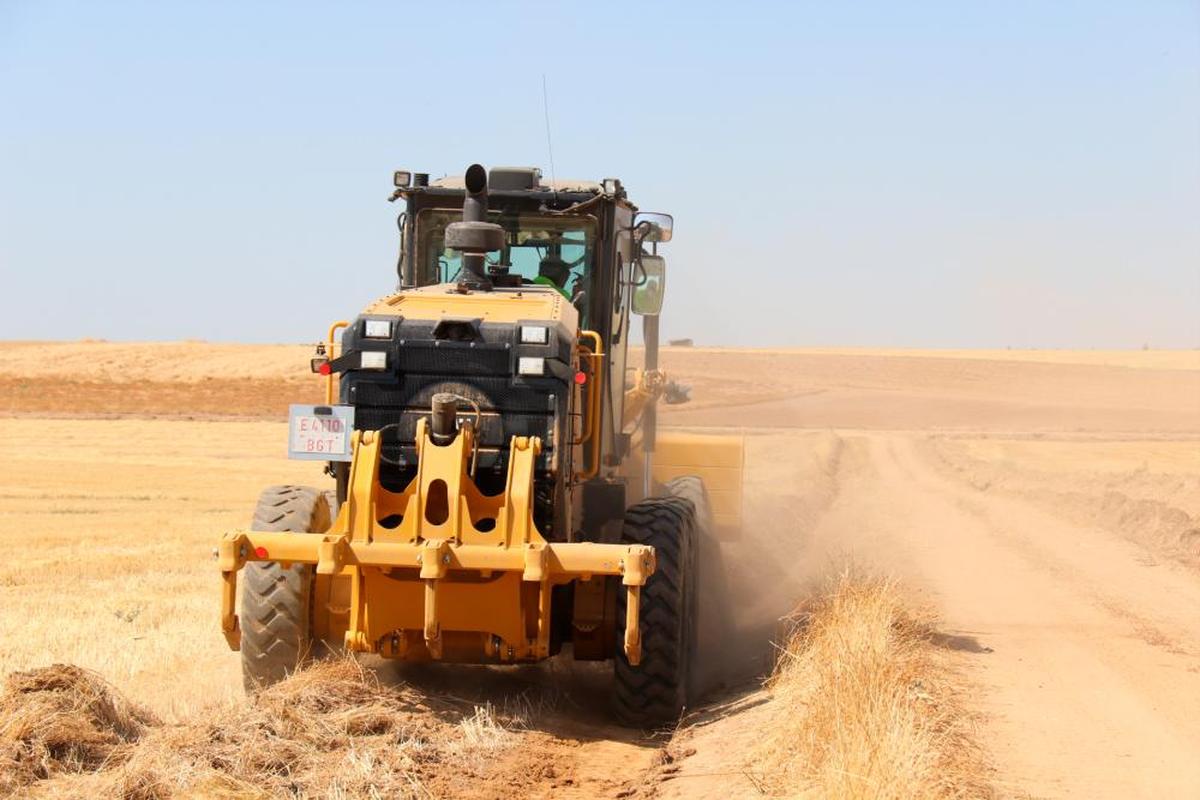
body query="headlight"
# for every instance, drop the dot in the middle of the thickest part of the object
(534, 334)
(373, 359)
(531, 366)
(378, 329)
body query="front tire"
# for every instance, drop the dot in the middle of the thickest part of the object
(276, 614)
(655, 692)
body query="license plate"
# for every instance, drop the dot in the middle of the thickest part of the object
(320, 433)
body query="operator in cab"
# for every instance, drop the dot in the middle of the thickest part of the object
(554, 272)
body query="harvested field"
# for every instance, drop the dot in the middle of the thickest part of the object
(1042, 506)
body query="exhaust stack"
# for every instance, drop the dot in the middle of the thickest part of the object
(475, 236)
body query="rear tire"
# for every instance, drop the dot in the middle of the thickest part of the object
(656, 691)
(691, 488)
(276, 614)
(710, 594)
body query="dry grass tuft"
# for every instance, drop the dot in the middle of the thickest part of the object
(866, 706)
(329, 731)
(63, 719)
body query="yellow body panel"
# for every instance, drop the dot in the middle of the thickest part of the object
(716, 459)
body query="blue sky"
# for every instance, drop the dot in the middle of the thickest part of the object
(911, 174)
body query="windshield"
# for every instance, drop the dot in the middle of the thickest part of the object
(553, 251)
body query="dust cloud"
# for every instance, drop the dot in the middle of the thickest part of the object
(748, 585)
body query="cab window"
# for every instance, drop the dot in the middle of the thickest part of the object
(552, 251)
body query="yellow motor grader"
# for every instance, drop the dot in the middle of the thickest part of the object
(500, 491)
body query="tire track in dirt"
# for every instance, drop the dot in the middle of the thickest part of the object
(761, 575)
(791, 482)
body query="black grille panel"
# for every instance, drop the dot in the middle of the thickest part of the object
(492, 393)
(453, 358)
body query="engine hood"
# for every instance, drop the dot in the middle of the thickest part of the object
(505, 305)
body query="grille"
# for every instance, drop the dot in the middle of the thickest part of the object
(492, 393)
(454, 359)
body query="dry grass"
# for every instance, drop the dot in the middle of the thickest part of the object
(63, 719)
(865, 706)
(329, 731)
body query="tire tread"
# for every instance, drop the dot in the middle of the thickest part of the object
(276, 612)
(655, 691)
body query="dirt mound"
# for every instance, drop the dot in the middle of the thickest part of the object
(157, 362)
(330, 731)
(63, 719)
(1149, 498)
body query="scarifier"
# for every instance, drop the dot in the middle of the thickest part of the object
(500, 490)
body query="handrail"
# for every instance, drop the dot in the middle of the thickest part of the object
(592, 423)
(331, 344)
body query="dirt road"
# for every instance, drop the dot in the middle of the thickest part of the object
(1087, 651)
(1051, 515)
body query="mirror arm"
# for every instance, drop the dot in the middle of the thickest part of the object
(641, 269)
(650, 412)
(637, 249)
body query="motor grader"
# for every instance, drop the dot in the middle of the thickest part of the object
(499, 492)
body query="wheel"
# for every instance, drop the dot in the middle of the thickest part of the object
(276, 614)
(710, 594)
(656, 690)
(691, 488)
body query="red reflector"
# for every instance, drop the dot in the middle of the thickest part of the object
(581, 378)
(325, 368)
(260, 552)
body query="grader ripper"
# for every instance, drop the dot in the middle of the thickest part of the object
(500, 488)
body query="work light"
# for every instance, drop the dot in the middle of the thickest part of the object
(378, 329)
(531, 366)
(534, 334)
(373, 359)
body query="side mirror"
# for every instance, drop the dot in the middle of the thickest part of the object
(648, 295)
(659, 225)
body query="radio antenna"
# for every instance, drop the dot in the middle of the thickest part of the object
(549, 143)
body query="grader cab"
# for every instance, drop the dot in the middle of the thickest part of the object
(500, 492)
